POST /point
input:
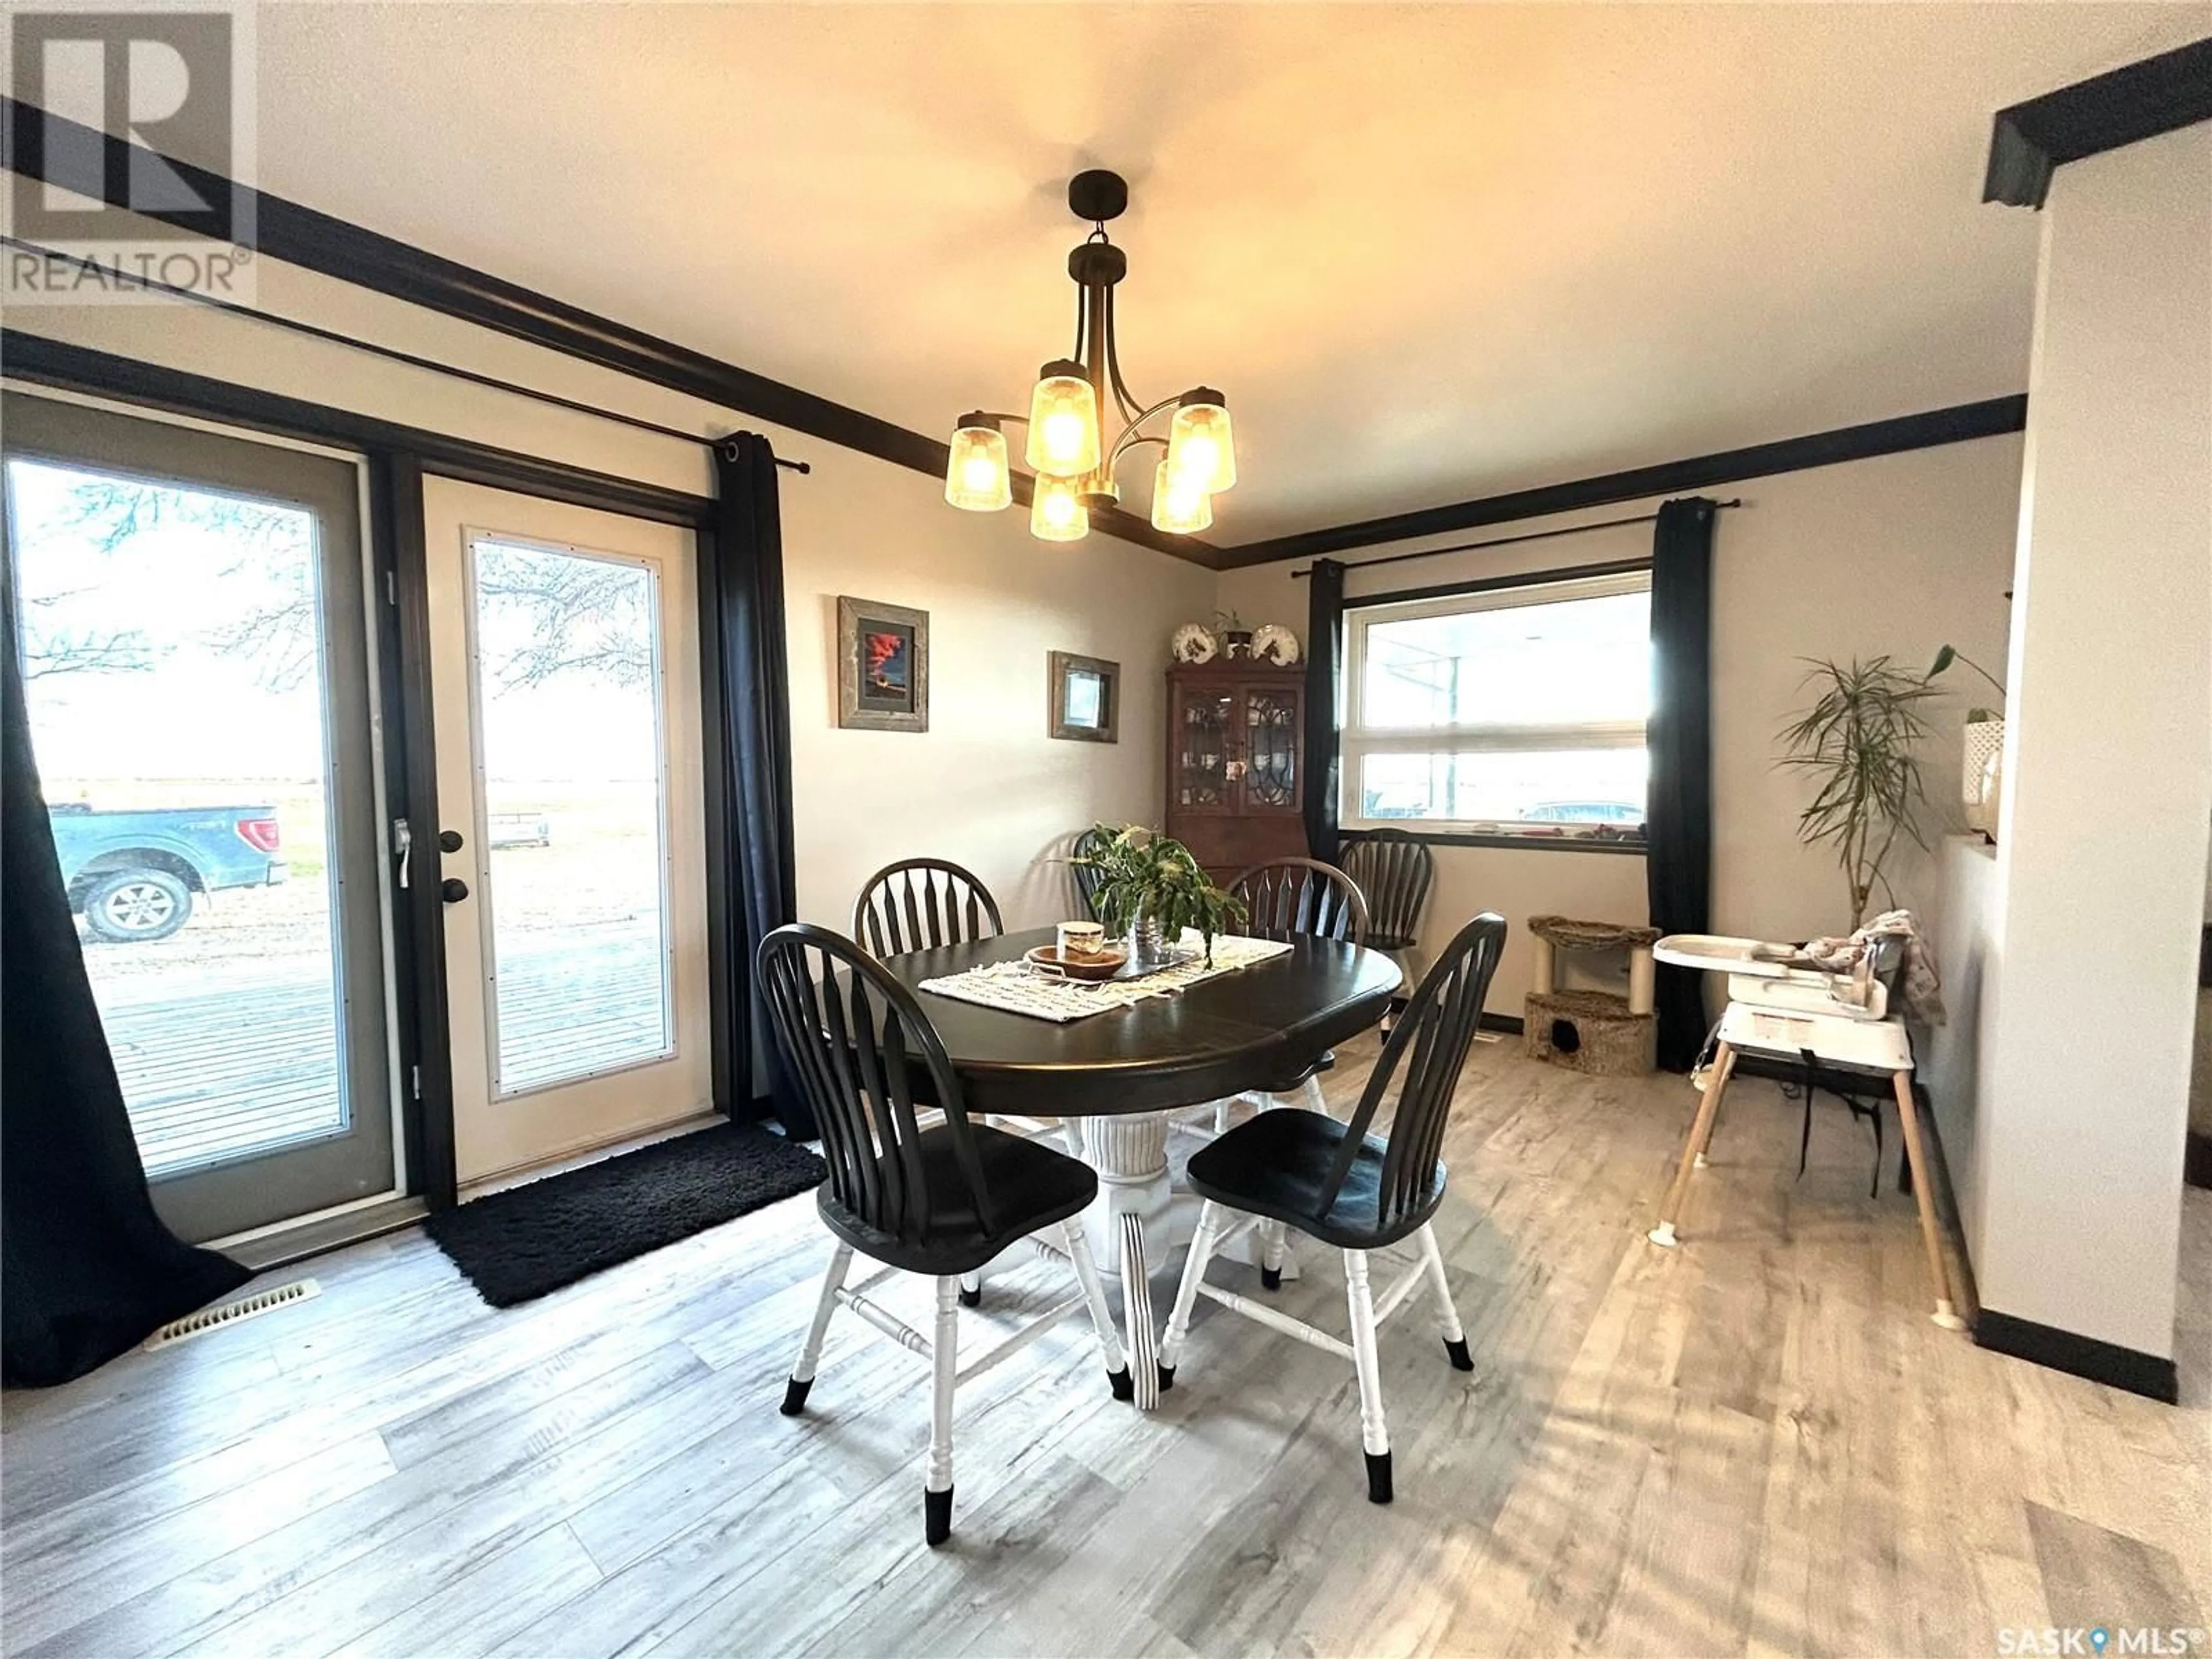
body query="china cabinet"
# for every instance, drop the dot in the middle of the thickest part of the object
(1236, 762)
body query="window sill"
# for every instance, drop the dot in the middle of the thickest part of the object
(1517, 843)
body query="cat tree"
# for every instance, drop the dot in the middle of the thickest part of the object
(1599, 1032)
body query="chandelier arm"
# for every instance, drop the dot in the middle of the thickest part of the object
(1132, 437)
(1123, 395)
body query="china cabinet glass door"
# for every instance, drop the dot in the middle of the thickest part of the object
(1273, 715)
(1204, 777)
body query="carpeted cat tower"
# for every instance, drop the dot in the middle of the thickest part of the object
(1599, 1032)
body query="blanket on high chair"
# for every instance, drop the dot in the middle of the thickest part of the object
(1919, 991)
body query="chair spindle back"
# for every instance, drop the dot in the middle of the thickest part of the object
(1429, 1044)
(1087, 877)
(919, 904)
(1393, 872)
(858, 1043)
(1290, 898)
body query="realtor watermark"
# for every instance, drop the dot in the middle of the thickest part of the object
(2100, 1641)
(131, 141)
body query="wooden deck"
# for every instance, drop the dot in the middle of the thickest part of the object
(213, 1075)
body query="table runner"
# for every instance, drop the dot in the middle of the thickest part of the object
(1011, 986)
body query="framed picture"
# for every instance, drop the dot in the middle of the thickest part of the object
(882, 667)
(1086, 697)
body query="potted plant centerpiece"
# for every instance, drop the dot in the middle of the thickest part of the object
(1151, 889)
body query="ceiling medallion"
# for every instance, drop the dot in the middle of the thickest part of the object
(1066, 447)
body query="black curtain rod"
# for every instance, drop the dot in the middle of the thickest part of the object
(315, 331)
(1504, 541)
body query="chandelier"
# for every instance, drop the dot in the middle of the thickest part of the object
(1067, 448)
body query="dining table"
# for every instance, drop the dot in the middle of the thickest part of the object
(1117, 1079)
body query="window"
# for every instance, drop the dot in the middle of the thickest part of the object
(1517, 711)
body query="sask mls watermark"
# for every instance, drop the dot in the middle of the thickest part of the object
(2101, 1641)
(130, 153)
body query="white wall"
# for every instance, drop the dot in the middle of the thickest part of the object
(1899, 554)
(1968, 942)
(984, 786)
(2108, 756)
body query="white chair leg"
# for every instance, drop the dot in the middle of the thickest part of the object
(1194, 1273)
(1374, 1431)
(1274, 1246)
(945, 1358)
(1102, 1317)
(1314, 1100)
(1221, 1110)
(1433, 1257)
(971, 1289)
(810, 1351)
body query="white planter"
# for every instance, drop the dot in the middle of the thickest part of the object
(1981, 774)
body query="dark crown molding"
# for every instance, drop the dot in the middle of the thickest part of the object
(332, 247)
(2138, 101)
(1986, 419)
(39, 360)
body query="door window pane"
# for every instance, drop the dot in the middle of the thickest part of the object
(175, 670)
(567, 648)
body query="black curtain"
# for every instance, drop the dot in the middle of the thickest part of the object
(1324, 666)
(746, 605)
(1678, 860)
(87, 1269)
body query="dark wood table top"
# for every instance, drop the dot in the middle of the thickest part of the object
(1259, 1026)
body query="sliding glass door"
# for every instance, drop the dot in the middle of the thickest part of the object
(192, 615)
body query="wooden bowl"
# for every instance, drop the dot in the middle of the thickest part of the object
(1105, 964)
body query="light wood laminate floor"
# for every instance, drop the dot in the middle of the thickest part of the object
(1755, 1444)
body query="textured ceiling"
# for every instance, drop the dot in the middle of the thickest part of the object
(1430, 252)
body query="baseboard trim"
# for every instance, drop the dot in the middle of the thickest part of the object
(2196, 1160)
(2081, 1356)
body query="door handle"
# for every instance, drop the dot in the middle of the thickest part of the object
(452, 890)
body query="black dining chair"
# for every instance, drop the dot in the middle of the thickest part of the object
(939, 1201)
(1284, 899)
(1394, 871)
(1087, 845)
(919, 904)
(1337, 1182)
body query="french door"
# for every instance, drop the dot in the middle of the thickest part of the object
(570, 845)
(190, 610)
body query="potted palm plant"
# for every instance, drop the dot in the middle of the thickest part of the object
(1151, 889)
(1858, 743)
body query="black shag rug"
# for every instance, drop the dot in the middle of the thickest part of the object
(520, 1244)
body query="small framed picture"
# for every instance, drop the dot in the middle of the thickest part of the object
(1085, 698)
(882, 667)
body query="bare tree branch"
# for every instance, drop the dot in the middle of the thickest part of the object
(585, 617)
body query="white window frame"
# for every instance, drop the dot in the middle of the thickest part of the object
(1356, 740)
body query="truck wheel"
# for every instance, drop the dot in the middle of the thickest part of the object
(132, 907)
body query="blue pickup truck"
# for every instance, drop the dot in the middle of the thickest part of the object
(132, 875)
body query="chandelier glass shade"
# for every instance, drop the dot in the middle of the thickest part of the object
(1067, 446)
(1182, 505)
(1063, 422)
(975, 477)
(1056, 511)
